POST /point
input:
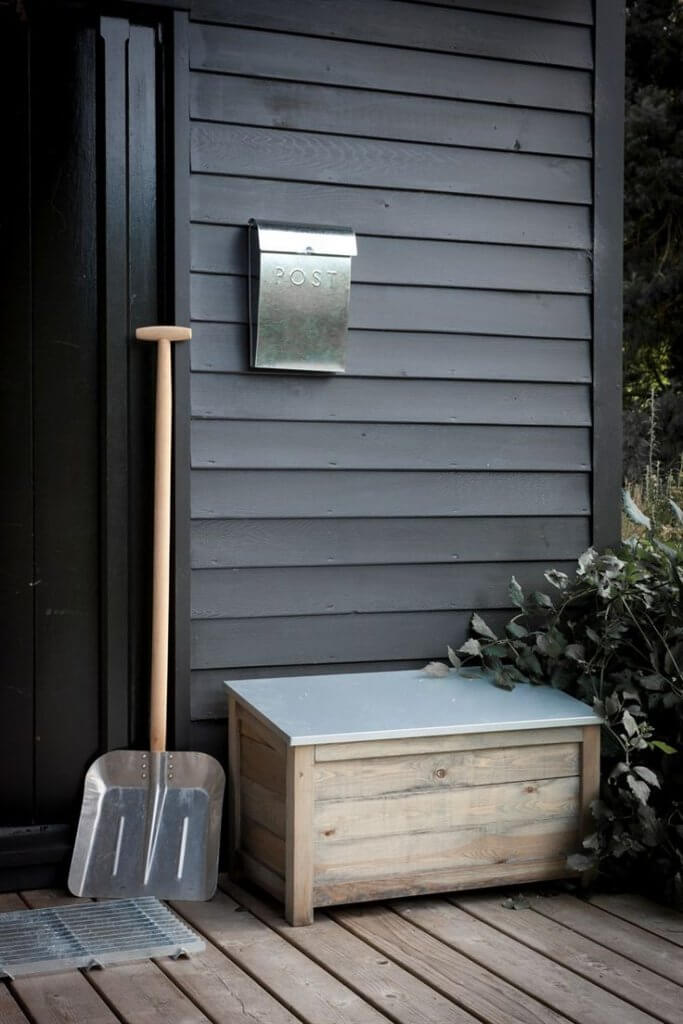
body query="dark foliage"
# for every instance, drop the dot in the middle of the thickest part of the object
(613, 636)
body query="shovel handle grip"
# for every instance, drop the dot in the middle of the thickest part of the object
(162, 527)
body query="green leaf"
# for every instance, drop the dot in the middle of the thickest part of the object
(453, 658)
(515, 630)
(515, 593)
(557, 579)
(479, 626)
(471, 646)
(436, 669)
(640, 790)
(542, 600)
(576, 652)
(633, 512)
(647, 775)
(629, 723)
(664, 747)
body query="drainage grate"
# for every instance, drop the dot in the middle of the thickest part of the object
(91, 935)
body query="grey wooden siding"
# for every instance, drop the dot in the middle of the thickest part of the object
(356, 521)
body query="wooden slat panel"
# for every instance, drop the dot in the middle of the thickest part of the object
(663, 921)
(556, 986)
(480, 991)
(385, 211)
(221, 543)
(328, 590)
(579, 11)
(263, 397)
(449, 264)
(394, 307)
(301, 639)
(381, 115)
(244, 444)
(406, 24)
(611, 971)
(310, 992)
(243, 493)
(446, 744)
(261, 764)
(511, 803)
(305, 156)
(263, 806)
(225, 347)
(362, 65)
(263, 845)
(10, 1012)
(374, 777)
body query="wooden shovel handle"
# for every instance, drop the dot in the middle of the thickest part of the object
(162, 527)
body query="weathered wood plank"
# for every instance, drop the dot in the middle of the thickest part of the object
(262, 805)
(590, 776)
(445, 744)
(386, 211)
(341, 160)
(644, 948)
(362, 65)
(635, 984)
(415, 355)
(223, 250)
(222, 543)
(10, 1011)
(301, 985)
(263, 765)
(383, 115)
(245, 444)
(434, 28)
(254, 729)
(556, 986)
(389, 988)
(397, 307)
(274, 494)
(579, 11)
(263, 845)
(297, 639)
(333, 590)
(499, 805)
(299, 836)
(660, 920)
(335, 399)
(480, 991)
(452, 769)
(270, 881)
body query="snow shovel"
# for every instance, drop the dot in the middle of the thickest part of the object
(150, 820)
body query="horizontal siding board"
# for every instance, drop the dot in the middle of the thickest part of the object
(382, 115)
(223, 298)
(385, 211)
(296, 640)
(224, 543)
(362, 65)
(223, 250)
(244, 444)
(243, 493)
(579, 11)
(225, 348)
(339, 589)
(394, 23)
(339, 399)
(342, 160)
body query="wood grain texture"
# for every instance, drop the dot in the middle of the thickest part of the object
(381, 115)
(409, 24)
(665, 922)
(270, 881)
(364, 65)
(556, 986)
(341, 160)
(611, 971)
(299, 836)
(383, 210)
(415, 355)
(263, 806)
(590, 776)
(277, 494)
(323, 590)
(444, 771)
(335, 399)
(389, 988)
(222, 543)
(300, 984)
(10, 1011)
(475, 989)
(445, 744)
(263, 845)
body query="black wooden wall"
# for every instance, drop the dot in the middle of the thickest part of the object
(356, 521)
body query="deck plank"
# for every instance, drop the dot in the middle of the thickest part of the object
(387, 986)
(10, 1011)
(645, 948)
(580, 1000)
(662, 921)
(310, 992)
(611, 971)
(460, 979)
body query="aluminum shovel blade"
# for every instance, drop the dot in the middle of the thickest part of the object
(149, 826)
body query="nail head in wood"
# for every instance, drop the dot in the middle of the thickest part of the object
(163, 333)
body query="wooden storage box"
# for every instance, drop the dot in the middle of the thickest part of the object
(359, 787)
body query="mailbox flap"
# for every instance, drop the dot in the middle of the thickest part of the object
(306, 240)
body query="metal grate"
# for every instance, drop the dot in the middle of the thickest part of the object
(91, 935)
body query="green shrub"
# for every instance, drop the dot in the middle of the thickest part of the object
(613, 636)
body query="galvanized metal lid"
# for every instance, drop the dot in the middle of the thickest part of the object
(340, 708)
(304, 239)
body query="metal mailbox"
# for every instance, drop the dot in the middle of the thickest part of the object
(299, 286)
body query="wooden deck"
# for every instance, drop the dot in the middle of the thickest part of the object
(457, 960)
